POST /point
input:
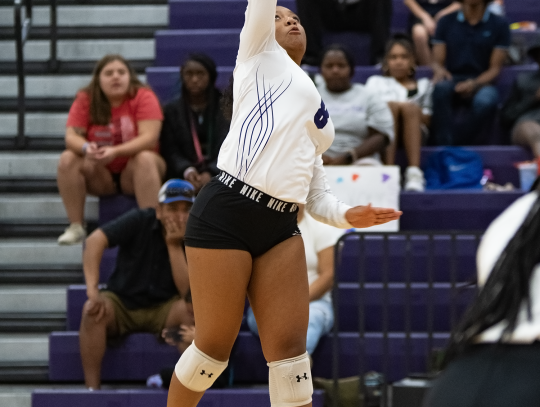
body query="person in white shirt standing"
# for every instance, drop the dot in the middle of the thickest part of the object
(242, 235)
(410, 101)
(494, 354)
(319, 241)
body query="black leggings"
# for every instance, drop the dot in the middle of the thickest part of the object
(490, 376)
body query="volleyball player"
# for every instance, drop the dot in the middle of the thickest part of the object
(242, 235)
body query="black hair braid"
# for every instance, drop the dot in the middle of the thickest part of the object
(506, 289)
(227, 100)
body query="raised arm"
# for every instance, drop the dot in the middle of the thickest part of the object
(259, 28)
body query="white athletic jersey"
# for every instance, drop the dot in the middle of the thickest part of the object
(280, 126)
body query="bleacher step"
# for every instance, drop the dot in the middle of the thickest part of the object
(28, 164)
(47, 274)
(38, 251)
(36, 124)
(41, 206)
(94, 15)
(24, 347)
(32, 322)
(32, 299)
(24, 372)
(81, 50)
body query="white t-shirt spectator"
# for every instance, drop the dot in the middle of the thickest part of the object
(317, 237)
(353, 112)
(391, 90)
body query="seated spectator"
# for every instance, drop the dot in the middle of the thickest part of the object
(149, 285)
(362, 120)
(425, 14)
(194, 126)
(469, 50)
(111, 140)
(410, 102)
(521, 111)
(319, 242)
(368, 16)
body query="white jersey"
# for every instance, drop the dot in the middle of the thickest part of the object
(280, 126)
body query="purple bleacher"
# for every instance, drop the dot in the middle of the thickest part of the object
(155, 398)
(442, 251)
(522, 10)
(141, 356)
(507, 77)
(453, 209)
(403, 310)
(193, 14)
(400, 16)
(173, 46)
(165, 81)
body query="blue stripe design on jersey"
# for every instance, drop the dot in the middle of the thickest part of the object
(258, 126)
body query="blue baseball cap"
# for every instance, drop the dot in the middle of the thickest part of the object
(176, 190)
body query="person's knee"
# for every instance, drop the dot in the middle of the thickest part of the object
(411, 110)
(486, 99)
(144, 161)
(420, 34)
(89, 316)
(215, 347)
(69, 161)
(526, 131)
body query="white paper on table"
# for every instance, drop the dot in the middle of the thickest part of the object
(361, 185)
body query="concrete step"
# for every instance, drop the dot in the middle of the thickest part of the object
(47, 86)
(16, 399)
(38, 251)
(24, 347)
(36, 125)
(41, 206)
(32, 299)
(20, 164)
(80, 50)
(46, 274)
(84, 16)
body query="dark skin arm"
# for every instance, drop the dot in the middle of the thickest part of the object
(440, 73)
(468, 87)
(95, 245)
(374, 143)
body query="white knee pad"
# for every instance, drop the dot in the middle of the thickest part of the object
(290, 382)
(198, 371)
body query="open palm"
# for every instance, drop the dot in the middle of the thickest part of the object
(367, 216)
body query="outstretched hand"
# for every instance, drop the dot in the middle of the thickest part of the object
(367, 216)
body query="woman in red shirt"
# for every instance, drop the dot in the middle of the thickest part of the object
(111, 142)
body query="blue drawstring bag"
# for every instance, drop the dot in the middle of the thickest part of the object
(453, 167)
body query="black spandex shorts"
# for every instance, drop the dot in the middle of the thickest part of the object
(229, 214)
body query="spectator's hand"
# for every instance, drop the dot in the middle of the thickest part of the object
(96, 306)
(188, 333)
(441, 74)
(106, 154)
(91, 151)
(367, 216)
(174, 233)
(194, 178)
(430, 24)
(204, 178)
(466, 88)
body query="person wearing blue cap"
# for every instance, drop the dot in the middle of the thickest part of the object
(148, 288)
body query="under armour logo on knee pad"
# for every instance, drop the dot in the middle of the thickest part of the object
(298, 378)
(208, 374)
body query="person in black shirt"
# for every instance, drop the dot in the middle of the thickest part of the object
(423, 20)
(194, 127)
(521, 111)
(148, 288)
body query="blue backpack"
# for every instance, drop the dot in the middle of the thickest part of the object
(453, 167)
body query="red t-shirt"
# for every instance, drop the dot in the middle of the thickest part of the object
(123, 125)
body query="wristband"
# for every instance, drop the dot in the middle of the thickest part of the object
(188, 170)
(85, 147)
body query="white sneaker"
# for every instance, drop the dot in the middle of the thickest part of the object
(73, 234)
(414, 179)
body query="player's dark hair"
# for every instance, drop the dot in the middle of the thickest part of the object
(506, 289)
(341, 48)
(227, 100)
